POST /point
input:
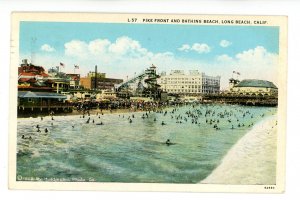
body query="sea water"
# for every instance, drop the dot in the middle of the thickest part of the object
(120, 151)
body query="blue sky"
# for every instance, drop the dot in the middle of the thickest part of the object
(211, 49)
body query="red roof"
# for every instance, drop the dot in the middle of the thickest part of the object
(26, 74)
(22, 80)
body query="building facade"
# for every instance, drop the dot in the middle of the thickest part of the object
(178, 82)
(92, 83)
(74, 80)
(254, 87)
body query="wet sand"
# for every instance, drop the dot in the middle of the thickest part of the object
(252, 160)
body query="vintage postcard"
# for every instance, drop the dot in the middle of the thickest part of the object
(148, 102)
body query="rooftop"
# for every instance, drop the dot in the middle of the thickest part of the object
(256, 83)
(29, 94)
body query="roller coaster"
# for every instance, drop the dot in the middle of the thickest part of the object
(149, 77)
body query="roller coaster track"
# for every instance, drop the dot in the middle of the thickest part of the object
(131, 80)
(150, 73)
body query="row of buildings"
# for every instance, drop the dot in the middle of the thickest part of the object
(54, 87)
(196, 83)
(35, 78)
(41, 91)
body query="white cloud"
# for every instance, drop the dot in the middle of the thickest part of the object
(76, 48)
(123, 46)
(127, 46)
(185, 48)
(47, 48)
(259, 53)
(125, 54)
(199, 48)
(99, 46)
(225, 43)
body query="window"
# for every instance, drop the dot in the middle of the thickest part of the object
(29, 100)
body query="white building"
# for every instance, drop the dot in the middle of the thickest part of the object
(177, 82)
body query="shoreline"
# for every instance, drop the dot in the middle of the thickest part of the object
(252, 160)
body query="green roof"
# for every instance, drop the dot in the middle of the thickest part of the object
(256, 83)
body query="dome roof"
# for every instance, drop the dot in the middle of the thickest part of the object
(256, 83)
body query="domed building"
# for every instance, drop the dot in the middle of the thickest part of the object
(254, 87)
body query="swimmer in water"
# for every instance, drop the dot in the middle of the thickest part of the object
(168, 142)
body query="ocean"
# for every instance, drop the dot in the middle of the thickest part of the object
(119, 151)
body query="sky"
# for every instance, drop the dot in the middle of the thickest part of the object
(121, 50)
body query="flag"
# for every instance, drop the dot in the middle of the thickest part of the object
(76, 66)
(62, 64)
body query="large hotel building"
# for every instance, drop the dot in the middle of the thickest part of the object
(177, 82)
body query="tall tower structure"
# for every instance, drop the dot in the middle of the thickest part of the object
(96, 81)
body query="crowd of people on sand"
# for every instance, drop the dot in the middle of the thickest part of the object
(132, 105)
(213, 115)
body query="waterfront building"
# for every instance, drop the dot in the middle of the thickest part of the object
(74, 80)
(41, 101)
(254, 87)
(106, 94)
(32, 77)
(59, 85)
(62, 82)
(99, 83)
(28, 71)
(194, 83)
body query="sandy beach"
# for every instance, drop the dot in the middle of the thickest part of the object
(252, 160)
